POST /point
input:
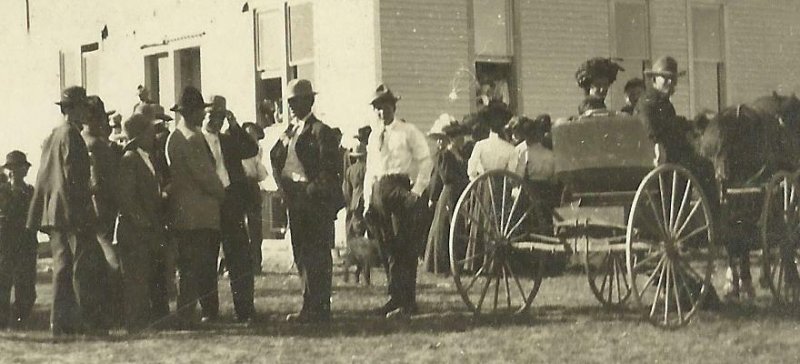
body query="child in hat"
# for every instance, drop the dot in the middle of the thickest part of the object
(18, 244)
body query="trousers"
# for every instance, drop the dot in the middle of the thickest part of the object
(17, 270)
(312, 231)
(391, 218)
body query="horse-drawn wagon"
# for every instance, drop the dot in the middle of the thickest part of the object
(647, 233)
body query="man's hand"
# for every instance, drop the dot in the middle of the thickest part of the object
(231, 118)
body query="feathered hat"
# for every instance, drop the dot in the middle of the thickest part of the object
(597, 67)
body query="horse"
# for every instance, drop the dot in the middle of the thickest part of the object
(747, 144)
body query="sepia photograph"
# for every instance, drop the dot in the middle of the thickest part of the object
(400, 181)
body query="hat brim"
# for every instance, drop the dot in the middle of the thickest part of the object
(111, 112)
(289, 97)
(163, 117)
(385, 97)
(181, 108)
(663, 73)
(18, 164)
(357, 154)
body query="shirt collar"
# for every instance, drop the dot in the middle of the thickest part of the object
(303, 120)
(391, 125)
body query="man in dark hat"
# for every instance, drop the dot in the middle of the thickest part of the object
(394, 150)
(229, 149)
(669, 132)
(305, 165)
(62, 207)
(18, 244)
(103, 161)
(140, 232)
(195, 196)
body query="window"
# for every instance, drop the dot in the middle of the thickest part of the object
(492, 27)
(301, 41)
(154, 75)
(708, 67)
(269, 42)
(631, 44)
(69, 69)
(90, 68)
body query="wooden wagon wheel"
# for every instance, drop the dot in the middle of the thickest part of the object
(670, 248)
(607, 274)
(491, 257)
(780, 235)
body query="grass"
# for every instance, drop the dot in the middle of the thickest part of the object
(566, 325)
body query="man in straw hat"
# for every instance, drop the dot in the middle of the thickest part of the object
(140, 233)
(195, 196)
(18, 244)
(394, 151)
(669, 132)
(62, 207)
(305, 165)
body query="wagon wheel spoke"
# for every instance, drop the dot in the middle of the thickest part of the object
(656, 215)
(675, 292)
(478, 274)
(511, 212)
(689, 217)
(524, 295)
(644, 263)
(686, 194)
(503, 205)
(663, 195)
(652, 277)
(672, 200)
(508, 287)
(657, 293)
(486, 286)
(691, 234)
(618, 271)
(667, 292)
(682, 274)
(519, 222)
(490, 187)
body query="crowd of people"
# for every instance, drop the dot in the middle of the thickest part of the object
(126, 203)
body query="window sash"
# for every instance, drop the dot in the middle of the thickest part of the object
(492, 28)
(301, 33)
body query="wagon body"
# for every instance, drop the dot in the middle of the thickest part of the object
(645, 231)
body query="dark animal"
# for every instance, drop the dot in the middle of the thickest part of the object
(363, 253)
(748, 144)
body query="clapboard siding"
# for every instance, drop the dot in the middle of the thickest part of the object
(762, 48)
(425, 56)
(669, 35)
(556, 36)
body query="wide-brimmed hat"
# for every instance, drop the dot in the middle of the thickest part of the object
(73, 95)
(437, 129)
(191, 99)
(154, 110)
(358, 150)
(218, 103)
(595, 68)
(384, 93)
(665, 66)
(97, 106)
(136, 124)
(299, 87)
(16, 159)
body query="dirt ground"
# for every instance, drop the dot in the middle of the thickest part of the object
(565, 325)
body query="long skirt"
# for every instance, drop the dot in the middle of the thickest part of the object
(437, 252)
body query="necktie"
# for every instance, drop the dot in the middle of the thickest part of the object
(382, 138)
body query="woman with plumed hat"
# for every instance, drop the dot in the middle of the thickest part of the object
(447, 182)
(595, 77)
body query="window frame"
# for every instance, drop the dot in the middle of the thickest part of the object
(720, 63)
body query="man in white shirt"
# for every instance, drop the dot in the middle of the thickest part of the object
(394, 151)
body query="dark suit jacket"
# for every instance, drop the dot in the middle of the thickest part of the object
(236, 145)
(61, 198)
(140, 209)
(317, 151)
(103, 170)
(655, 110)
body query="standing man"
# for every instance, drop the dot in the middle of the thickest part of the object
(140, 231)
(62, 207)
(394, 148)
(18, 245)
(306, 165)
(228, 150)
(103, 171)
(195, 196)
